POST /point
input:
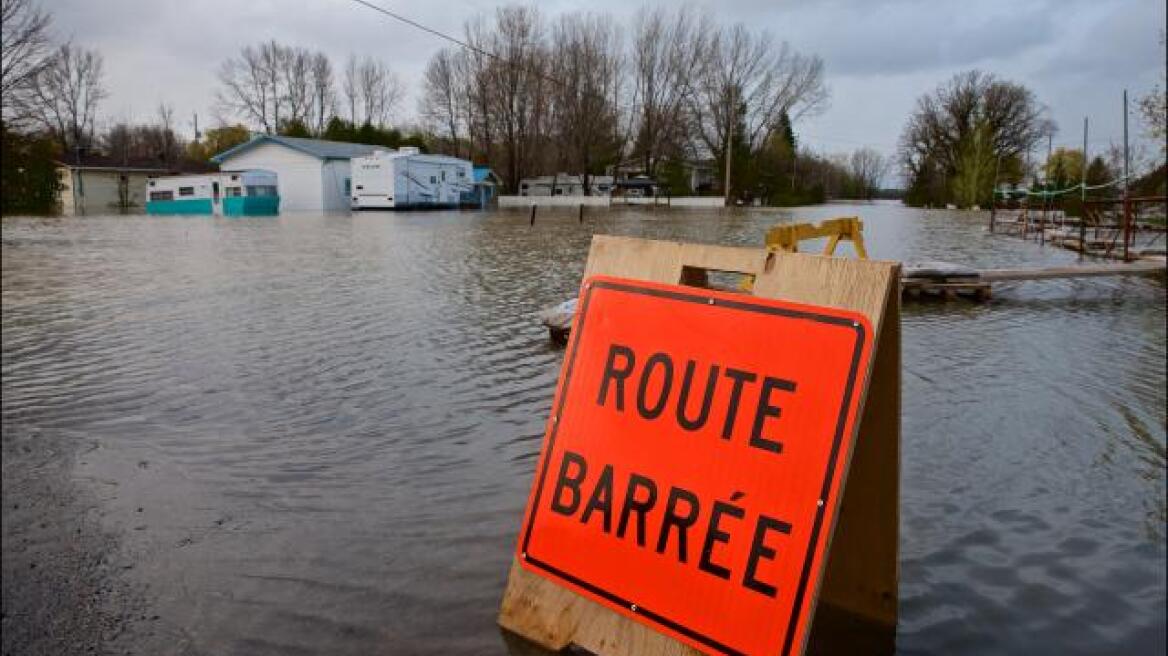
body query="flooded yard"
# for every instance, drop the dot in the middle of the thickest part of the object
(315, 434)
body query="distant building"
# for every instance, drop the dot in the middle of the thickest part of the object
(563, 184)
(701, 175)
(485, 192)
(313, 174)
(640, 186)
(101, 185)
(686, 176)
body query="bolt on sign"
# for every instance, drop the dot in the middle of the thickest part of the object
(692, 467)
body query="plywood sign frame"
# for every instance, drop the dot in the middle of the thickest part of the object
(858, 587)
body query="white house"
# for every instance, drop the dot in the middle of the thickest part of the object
(312, 174)
(406, 179)
(563, 184)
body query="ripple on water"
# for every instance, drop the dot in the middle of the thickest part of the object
(330, 423)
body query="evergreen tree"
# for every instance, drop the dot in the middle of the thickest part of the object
(28, 173)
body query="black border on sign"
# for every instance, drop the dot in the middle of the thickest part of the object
(828, 480)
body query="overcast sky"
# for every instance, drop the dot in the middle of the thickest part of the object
(880, 55)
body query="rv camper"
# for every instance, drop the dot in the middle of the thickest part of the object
(409, 179)
(236, 193)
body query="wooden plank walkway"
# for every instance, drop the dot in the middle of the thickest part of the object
(948, 281)
(1139, 267)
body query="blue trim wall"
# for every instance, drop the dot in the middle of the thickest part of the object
(185, 206)
(251, 206)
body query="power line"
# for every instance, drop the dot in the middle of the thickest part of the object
(454, 40)
(440, 35)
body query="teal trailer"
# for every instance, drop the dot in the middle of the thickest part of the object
(233, 193)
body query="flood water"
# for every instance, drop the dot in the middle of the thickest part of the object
(315, 434)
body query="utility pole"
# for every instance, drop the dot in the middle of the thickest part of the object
(1083, 195)
(994, 193)
(1047, 169)
(197, 135)
(1126, 159)
(1083, 177)
(1126, 184)
(730, 145)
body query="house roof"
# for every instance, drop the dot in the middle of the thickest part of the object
(101, 162)
(564, 179)
(318, 148)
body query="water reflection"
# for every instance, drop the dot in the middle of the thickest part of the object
(329, 422)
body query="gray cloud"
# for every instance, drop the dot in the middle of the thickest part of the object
(880, 55)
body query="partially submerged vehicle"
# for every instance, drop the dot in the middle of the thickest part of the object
(409, 179)
(230, 193)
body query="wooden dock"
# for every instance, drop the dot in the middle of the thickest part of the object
(932, 280)
(949, 281)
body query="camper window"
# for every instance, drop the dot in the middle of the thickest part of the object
(433, 180)
(444, 176)
(234, 192)
(261, 190)
(162, 195)
(186, 191)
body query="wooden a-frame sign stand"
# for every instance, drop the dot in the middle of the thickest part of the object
(857, 598)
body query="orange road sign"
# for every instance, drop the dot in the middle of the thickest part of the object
(693, 464)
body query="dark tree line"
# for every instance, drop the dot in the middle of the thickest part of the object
(972, 127)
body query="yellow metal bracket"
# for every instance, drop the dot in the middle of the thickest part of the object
(786, 237)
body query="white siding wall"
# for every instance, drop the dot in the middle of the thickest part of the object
(332, 181)
(298, 176)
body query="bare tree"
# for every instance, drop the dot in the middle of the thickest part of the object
(271, 57)
(118, 142)
(440, 102)
(155, 143)
(867, 167)
(66, 92)
(295, 69)
(471, 68)
(666, 58)
(748, 83)
(381, 90)
(529, 98)
(274, 86)
(1154, 107)
(24, 49)
(323, 94)
(351, 87)
(517, 80)
(586, 69)
(167, 144)
(247, 90)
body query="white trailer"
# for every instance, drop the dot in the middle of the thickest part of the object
(406, 179)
